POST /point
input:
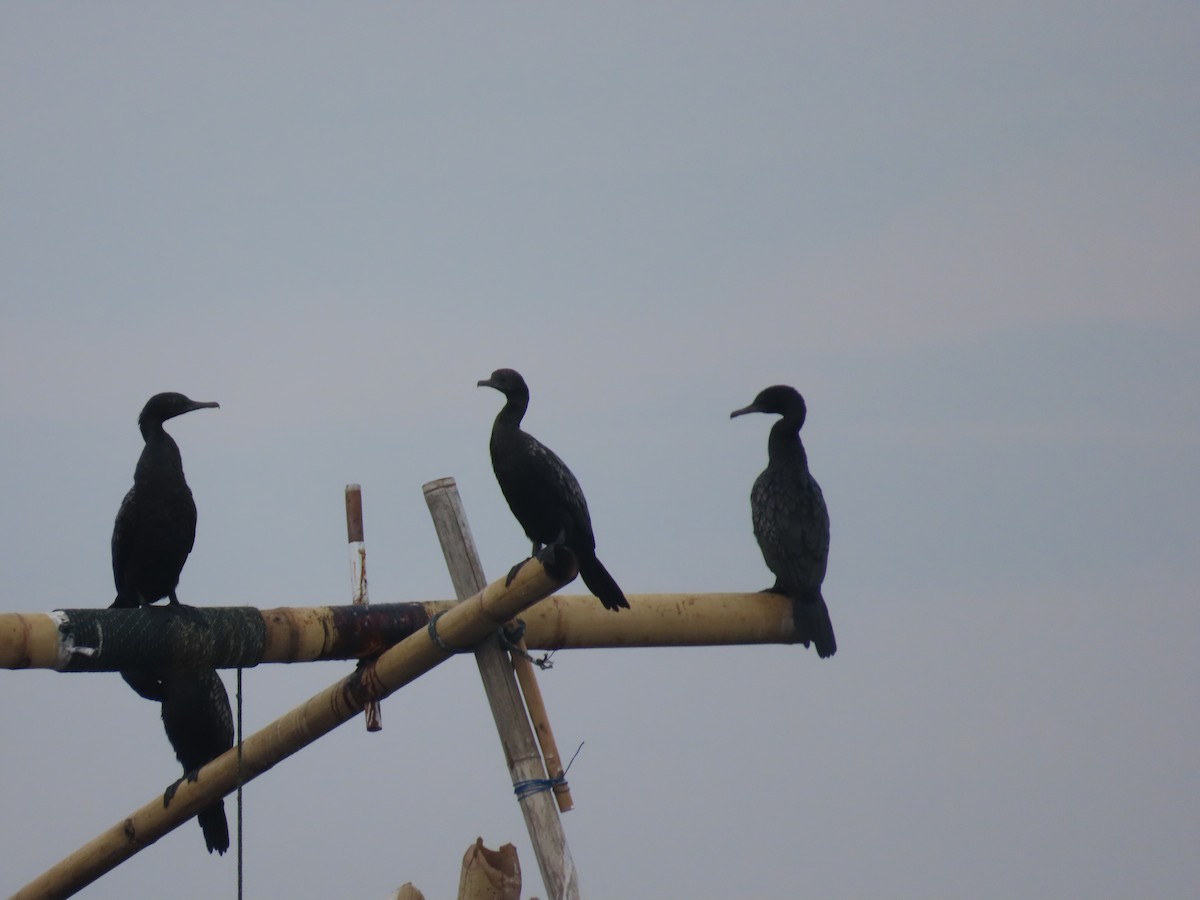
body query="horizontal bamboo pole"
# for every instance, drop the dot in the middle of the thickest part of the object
(462, 626)
(29, 641)
(574, 622)
(306, 634)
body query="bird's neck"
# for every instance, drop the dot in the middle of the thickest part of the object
(161, 453)
(784, 443)
(152, 431)
(513, 412)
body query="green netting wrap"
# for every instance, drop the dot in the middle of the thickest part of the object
(106, 640)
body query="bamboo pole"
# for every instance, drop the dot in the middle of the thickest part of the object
(563, 622)
(359, 596)
(516, 737)
(306, 634)
(536, 705)
(30, 641)
(462, 626)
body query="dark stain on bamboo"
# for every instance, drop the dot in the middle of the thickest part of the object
(367, 631)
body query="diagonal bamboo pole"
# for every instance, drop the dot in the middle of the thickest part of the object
(516, 737)
(462, 627)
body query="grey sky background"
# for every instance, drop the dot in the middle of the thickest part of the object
(969, 236)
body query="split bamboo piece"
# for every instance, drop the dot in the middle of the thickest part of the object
(306, 634)
(520, 750)
(359, 596)
(463, 626)
(490, 874)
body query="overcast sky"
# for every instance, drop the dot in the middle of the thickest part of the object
(969, 236)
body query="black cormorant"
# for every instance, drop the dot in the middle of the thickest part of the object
(156, 524)
(199, 725)
(541, 491)
(152, 537)
(790, 518)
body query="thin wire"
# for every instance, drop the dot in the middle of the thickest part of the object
(239, 782)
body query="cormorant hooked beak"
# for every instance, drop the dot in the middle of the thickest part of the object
(193, 405)
(170, 404)
(745, 409)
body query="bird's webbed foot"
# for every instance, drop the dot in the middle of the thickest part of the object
(512, 573)
(169, 793)
(533, 554)
(546, 555)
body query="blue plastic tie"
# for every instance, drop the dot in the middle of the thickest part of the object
(533, 786)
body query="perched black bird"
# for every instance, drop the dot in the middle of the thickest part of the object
(790, 518)
(541, 491)
(199, 725)
(152, 537)
(156, 524)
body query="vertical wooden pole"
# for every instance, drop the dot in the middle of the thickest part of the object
(516, 737)
(355, 538)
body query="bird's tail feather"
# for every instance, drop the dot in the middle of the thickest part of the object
(600, 583)
(811, 617)
(215, 827)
